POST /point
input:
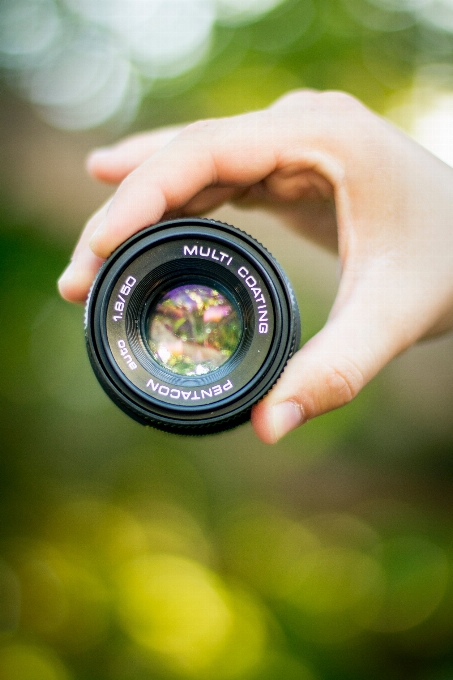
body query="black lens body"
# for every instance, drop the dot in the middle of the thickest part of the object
(171, 383)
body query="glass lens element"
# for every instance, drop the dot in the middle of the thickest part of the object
(193, 329)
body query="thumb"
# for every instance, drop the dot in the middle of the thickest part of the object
(331, 369)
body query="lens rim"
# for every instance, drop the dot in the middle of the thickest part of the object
(235, 404)
(147, 375)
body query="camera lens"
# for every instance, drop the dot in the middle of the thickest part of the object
(188, 324)
(193, 329)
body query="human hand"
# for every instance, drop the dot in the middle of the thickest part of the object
(343, 177)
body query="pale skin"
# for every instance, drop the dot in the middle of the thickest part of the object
(340, 175)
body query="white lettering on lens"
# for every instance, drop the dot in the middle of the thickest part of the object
(127, 285)
(207, 252)
(125, 289)
(152, 384)
(192, 395)
(259, 297)
(126, 356)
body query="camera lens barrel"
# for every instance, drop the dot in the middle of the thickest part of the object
(188, 324)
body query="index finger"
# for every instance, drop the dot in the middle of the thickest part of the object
(225, 152)
(113, 163)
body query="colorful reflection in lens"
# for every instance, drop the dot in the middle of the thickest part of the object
(193, 329)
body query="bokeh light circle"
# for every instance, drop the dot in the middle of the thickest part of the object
(67, 52)
(27, 28)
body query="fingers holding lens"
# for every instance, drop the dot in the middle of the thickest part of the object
(78, 276)
(113, 163)
(209, 154)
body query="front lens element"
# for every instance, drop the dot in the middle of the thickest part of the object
(193, 329)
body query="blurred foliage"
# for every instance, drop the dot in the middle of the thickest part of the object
(129, 554)
(372, 49)
(176, 61)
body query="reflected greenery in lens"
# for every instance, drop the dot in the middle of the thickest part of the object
(193, 329)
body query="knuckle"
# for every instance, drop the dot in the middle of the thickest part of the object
(344, 382)
(296, 98)
(338, 100)
(207, 125)
(328, 102)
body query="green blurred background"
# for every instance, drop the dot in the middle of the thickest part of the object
(128, 554)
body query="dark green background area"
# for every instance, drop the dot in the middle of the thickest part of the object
(326, 557)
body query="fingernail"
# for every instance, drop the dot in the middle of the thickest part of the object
(98, 155)
(96, 235)
(285, 417)
(67, 274)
